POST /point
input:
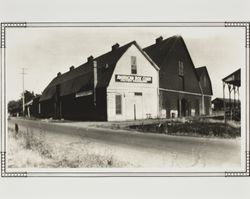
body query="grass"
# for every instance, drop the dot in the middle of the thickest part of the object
(204, 128)
(21, 153)
(29, 149)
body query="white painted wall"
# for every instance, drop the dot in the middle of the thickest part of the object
(148, 103)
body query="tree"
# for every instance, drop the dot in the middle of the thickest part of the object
(15, 107)
(28, 96)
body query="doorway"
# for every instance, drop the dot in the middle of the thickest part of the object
(138, 107)
(183, 107)
(134, 106)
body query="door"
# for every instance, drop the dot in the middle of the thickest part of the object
(133, 109)
(184, 107)
(138, 111)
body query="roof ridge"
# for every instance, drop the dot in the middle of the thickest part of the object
(85, 69)
(163, 41)
(85, 64)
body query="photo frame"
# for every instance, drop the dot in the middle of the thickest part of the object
(5, 26)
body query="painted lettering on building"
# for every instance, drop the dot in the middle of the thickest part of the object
(133, 78)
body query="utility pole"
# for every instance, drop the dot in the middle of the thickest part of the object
(224, 103)
(23, 73)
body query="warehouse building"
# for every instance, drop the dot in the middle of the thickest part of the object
(129, 83)
(119, 85)
(218, 104)
(206, 88)
(232, 83)
(184, 90)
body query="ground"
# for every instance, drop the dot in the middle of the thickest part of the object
(44, 144)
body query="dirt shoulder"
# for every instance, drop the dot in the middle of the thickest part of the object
(190, 127)
(61, 144)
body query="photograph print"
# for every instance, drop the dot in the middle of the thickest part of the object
(124, 99)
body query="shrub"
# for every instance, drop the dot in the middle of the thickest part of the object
(201, 128)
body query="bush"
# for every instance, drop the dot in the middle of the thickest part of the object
(195, 128)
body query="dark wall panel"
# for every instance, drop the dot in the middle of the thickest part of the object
(208, 105)
(169, 73)
(170, 101)
(81, 108)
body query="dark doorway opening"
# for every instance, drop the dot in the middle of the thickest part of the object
(58, 105)
(182, 107)
(197, 107)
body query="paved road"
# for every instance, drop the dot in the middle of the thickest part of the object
(147, 150)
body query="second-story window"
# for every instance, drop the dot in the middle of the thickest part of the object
(181, 68)
(133, 65)
(205, 81)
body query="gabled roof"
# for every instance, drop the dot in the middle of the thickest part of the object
(203, 71)
(159, 51)
(233, 78)
(81, 78)
(29, 103)
(35, 99)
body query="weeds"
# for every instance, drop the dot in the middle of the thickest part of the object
(29, 148)
(36, 142)
(193, 128)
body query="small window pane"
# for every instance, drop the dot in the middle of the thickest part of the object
(138, 94)
(133, 65)
(181, 68)
(118, 104)
(205, 81)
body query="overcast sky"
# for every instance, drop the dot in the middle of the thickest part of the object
(44, 52)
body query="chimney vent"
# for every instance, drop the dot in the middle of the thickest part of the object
(71, 68)
(159, 40)
(115, 46)
(90, 59)
(58, 74)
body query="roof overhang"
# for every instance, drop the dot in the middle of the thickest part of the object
(233, 79)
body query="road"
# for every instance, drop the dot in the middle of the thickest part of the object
(144, 149)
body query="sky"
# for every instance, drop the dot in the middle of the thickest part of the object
(44, 52)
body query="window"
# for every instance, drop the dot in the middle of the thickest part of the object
(181, 83)
(133, 65)
(138, 94)
(181, 68)
(118, 104)
(205, 81)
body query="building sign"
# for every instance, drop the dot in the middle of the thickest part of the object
(84, 93)
(133, 79)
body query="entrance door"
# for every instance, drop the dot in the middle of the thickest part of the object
(134, 106)
(197, 107)
(138, 108)
(184, 107)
